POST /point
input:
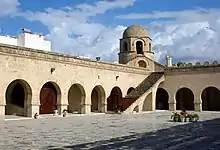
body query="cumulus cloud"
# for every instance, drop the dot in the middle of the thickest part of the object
(190, 39)
(8, 7)
(187, 35)
(71, 31)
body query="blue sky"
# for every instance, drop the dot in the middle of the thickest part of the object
(12, 25)
(93, 27)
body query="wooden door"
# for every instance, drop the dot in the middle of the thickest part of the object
(48, 99)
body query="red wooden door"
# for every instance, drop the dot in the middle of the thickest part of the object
(48, 99)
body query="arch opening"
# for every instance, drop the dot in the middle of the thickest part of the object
(18, 98)
(76, 97)
(98, 99)
(139, 47)
(147, 105)
(210, 99)
(129, 90)
(184, 99)
(49, 97)
(114, 99)
(142, 64)
(125, 46)
(162, 98)
(150, 47)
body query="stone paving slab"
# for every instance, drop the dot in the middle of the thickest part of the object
(111, 131)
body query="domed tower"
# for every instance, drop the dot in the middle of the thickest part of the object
(136, 48)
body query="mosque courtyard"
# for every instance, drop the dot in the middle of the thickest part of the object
(111, 131)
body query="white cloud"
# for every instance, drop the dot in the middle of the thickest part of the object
(72, 32)
(194, 38)
(8, 7)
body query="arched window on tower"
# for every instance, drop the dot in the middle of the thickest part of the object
(142, 64)
(139, 47)
(125, 46)
(149, 47)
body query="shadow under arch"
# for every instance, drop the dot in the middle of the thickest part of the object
(210, 97)
(114, 99)
(98, 99)
(184, 99)
(50, 98)
(18, 98)
(76, 98)
(162, 98)
(130, 89)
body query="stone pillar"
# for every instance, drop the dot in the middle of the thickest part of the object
(32, 109)
(103, 108)
(61, 107)
(86, 108)
(172, 106)
(198, 106)
(2, 111)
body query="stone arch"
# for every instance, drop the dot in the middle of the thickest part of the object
(130, 89)
(18, 98)
(142, 63)
(76, 97)
(139, 47)
(113, 101)
(162, 98)
(125, 46)
(184, 99)
(147, 102)
(98, 99)
(210, 99)
(50, 97)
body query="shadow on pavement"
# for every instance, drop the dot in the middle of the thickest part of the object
(192, 136)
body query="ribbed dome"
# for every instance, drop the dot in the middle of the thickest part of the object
(135, 31)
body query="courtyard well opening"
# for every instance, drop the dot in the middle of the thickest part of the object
(184, 99)
(210, 99)
(18, 98)
(162, 98)
(114, 99)
(98, 99)
(49, 96)
(76, 98)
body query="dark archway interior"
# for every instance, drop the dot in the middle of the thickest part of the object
(95, 99)
(142, 64)
(76, 97)
(125, 46)
(162, 98)
(114, 99)
(211, 99)
(139, 47)
(48, 98)
(184, 99)
(149, 47)
(129, 90)
(15, 99)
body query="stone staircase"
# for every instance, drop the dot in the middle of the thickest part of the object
(145, 86)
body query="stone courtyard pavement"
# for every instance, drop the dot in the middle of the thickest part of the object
(111, 131)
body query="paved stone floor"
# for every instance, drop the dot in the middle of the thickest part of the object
(139, 131)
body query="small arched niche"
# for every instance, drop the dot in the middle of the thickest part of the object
(142, 64)
(139, 47)
(150, 47)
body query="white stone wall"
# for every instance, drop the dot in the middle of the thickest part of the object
(27, 40)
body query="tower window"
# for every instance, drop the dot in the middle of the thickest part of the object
(150, 47)
(125, 46)
(139, 47)
(142, 64)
